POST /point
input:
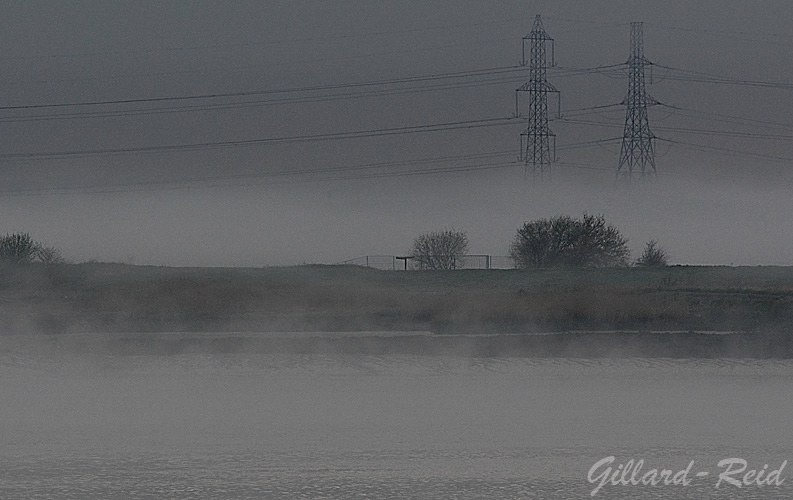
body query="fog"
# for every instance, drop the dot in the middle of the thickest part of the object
(304, 131)
(744, 223)
(91, 185)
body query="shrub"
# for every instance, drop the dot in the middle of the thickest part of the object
(440, 249)
(565, 241)
(18, 248)
(653, 255)
(50, 255)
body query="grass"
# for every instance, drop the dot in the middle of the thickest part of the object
(121, 298)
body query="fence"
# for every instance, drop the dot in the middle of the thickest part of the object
(399, 263)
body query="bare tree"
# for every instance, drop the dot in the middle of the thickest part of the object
(564, 241)
(653, 256)
(542, 243)
(49, 255)
(440, 249)
(18, 248)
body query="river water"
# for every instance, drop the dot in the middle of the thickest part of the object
(199, 425)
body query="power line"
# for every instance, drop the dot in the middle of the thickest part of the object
(423, 83)
(725, 133)
(359, 134)
(273, 101)
(360, 171)
(588, 21)
(731, 152)
(587, 111)
(720, 176)
(392, 81)
(330, 97)
(501, 70)
(692, 130)
(180, 185)
(587, 166)
(587, 144)
(701, 77)
(202, 182)
(563, 71)
(729, 118)
(356, 172)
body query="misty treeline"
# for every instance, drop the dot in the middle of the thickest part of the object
(20, 248)
(560, 241)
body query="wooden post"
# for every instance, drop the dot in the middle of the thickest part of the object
(406, 258)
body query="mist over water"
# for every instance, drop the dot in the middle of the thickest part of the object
(205, 425)
(251, 134)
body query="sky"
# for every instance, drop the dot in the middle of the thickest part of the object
(288, 132)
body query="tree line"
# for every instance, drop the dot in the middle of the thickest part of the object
(560, 241)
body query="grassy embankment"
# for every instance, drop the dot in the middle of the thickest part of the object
(122, 298)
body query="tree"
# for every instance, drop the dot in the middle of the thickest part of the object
(565, 241)
(440, 249)
(18, 248)
(653, 255)
(49, 255)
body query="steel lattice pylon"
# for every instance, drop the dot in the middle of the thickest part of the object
(537, 151)
(637, 155)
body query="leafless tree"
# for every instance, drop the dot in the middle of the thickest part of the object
(50, 255)
(17, 248)
(440, 249)
(565, 241)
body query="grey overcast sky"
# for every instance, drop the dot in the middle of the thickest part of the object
(144, 132)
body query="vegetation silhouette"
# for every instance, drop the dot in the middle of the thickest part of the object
(440, 249)
(563, 241)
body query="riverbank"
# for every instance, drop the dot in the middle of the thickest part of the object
(622, 344)
(83, 298)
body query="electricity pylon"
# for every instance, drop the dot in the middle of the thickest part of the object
(637, 156)
(537, 151)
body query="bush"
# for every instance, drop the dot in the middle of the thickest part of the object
(50, 255)
(653, 255)
(564, 241)
(18, 248)
(440, 249)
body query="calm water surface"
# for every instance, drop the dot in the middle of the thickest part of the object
(381, 427)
